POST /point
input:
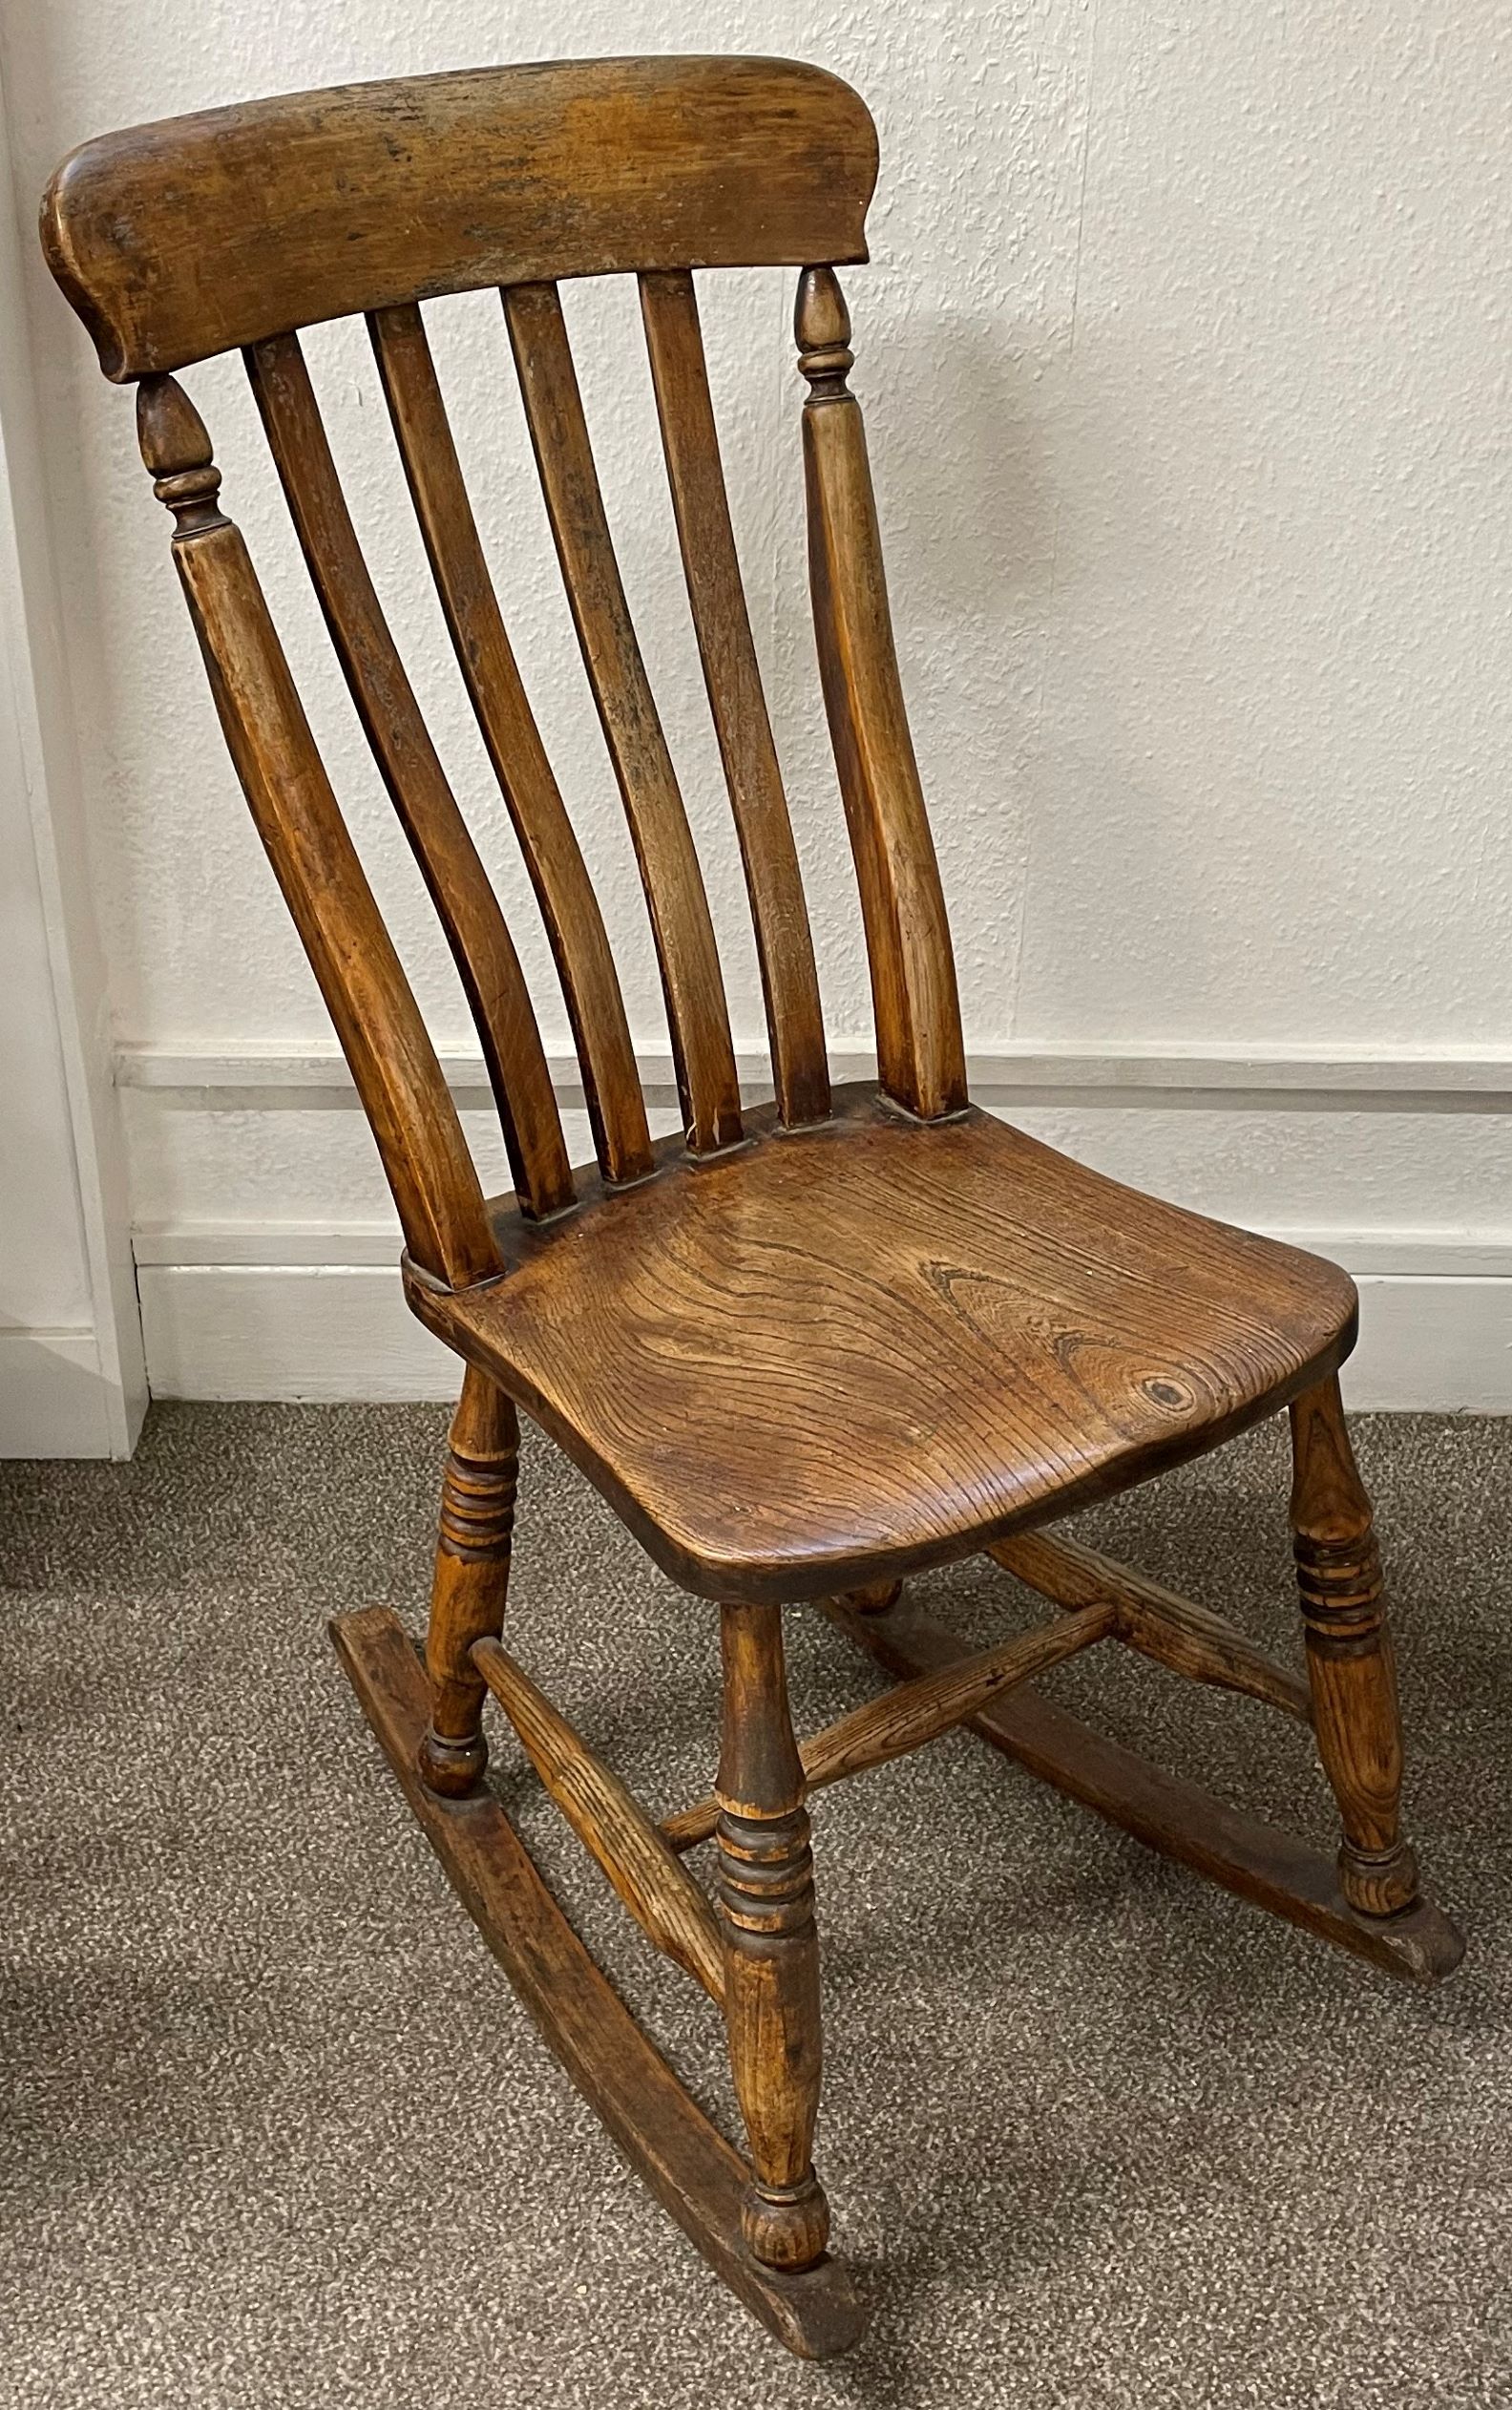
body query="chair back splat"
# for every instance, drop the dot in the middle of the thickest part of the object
(237, 228)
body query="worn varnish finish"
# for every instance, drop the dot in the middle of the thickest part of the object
(570, 908)
(664, 2133)
(920, 1054)
(803, 1350)
(651, 1880)
(904, 1719)
(471, 1579)
(1176, 1632)
(771, 1947)
(697, 1020)
(203, 234)
(1349, 1655)
(434, 1184)
(411, 771)
(936, 1332)
(1276, 1869)
(783, 945)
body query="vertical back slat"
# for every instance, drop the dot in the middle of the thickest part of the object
(553, 856)
(697, 1014)
(425, 1156)
(411, 770)
(783, 944)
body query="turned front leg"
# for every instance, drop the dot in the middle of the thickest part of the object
(1349, 1653)
(472, 1575)
(772, 1949)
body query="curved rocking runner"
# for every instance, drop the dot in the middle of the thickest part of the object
(805, 1349)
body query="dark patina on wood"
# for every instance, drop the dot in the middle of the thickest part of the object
(804, 1349)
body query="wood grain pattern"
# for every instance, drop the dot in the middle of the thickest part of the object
(652, 1881)
(1351, 1664)
(771, 1947)
(470, 1581)
(919, 1711)
(783, 945)
(693, 2171)
(393, 1064)
(394, 726)
(697, 1015)
(938, 1333)
(553, 856)
(1274, 1868)
(920, 1051)
(803, 1352)
(1175, 1632)
(206, 233)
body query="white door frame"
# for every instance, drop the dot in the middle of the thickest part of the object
(73, 1387)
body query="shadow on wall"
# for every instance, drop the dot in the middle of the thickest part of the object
(967, 509)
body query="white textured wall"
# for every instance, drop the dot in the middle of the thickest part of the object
(1184, 357)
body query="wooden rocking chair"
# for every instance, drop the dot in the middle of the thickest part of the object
(803, 1350)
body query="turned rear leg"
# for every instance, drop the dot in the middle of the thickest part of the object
(772, 1949)
(875, 1598)
(1349, 1653)
(472, 1575)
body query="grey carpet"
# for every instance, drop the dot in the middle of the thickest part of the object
(277, 2133)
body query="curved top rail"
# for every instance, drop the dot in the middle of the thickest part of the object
(206, 233)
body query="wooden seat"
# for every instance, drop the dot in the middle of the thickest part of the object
(804, 1350)
(982, 1330)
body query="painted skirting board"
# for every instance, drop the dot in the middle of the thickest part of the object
(1084, 1073)
(260, 1308)
(1437, 1340)
(56, 1398)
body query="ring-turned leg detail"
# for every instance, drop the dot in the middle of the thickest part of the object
(1348, 1653)
(687, 2164)
(771, 1947)
(471, 1576)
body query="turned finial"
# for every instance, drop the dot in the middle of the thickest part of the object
(175, 448)
(822, 330)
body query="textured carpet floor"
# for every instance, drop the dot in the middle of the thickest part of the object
(276, 2132)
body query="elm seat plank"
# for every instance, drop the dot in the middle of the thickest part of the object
(877, 1344)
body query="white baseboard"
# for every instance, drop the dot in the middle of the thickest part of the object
(1433, 1346)
(1435, 1339)
(260, 1309)
(55, 1398)
(1018, 1071)
(322, 1332)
